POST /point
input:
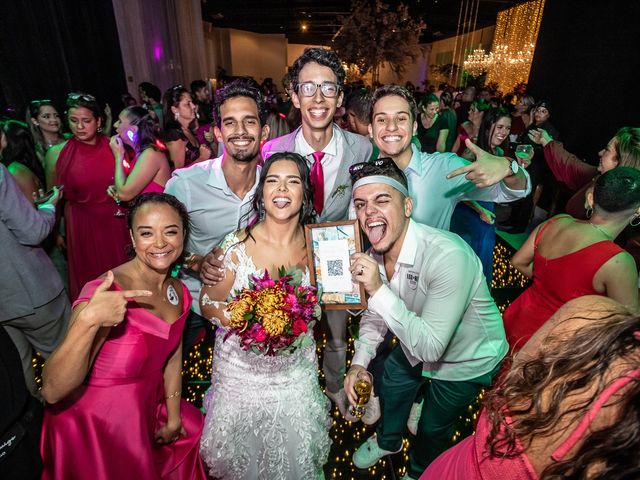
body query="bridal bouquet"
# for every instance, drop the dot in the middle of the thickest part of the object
(274, 317)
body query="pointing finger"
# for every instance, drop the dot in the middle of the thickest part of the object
(461, 171)
(130, 294)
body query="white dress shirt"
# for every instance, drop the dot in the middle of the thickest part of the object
(438, 305)
(331, 160)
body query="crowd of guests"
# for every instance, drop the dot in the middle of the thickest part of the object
(162, 221)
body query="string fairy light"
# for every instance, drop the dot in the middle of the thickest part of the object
(347, 436)
(514, 40)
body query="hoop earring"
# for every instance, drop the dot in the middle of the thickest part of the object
(589, 212)
(99, 129)
(636, 219)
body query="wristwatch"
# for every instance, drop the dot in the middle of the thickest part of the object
(514, 167)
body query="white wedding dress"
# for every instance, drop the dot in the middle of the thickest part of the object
(266, 417)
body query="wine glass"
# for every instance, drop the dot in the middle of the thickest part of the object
(119, 211)
(111, 191)
(524, 151)
(363, 388)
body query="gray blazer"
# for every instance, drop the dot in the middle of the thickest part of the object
(356, 149)
(28, 278)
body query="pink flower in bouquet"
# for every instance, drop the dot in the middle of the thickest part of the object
(258, 333)
(271, 315)
(299, 326)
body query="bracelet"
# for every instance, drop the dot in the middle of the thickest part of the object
(174, 394)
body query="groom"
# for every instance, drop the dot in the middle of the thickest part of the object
(426, 286)
(317, 78)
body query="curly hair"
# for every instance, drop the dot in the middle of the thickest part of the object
(321, 56)
(241, 87)
(534, 391)
(397, 90)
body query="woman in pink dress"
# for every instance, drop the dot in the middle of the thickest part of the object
(96, 239)
(567, 408)
(149, 171)
(114, 409)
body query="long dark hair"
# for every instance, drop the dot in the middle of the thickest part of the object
(21, 148)
(307, 212)
(33, 110)
(171, 98)
(488, 125)
(534, 389)
(148, 130)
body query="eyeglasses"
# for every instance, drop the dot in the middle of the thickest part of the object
(37, 103)
(75, 96)
(328, 89)
(81, 96)
(381, 166)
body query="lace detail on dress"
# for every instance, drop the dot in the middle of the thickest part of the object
(267, 418)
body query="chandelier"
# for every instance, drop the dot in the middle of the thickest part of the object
(511, 54)
(477, 62)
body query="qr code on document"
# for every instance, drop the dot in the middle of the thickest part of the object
(335, 268)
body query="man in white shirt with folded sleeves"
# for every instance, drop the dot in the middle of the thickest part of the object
(426, 286)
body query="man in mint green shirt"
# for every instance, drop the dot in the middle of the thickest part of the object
(426, 286)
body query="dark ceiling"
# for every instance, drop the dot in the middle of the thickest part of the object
(320, 17)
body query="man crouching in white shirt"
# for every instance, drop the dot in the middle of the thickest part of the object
(426, 286)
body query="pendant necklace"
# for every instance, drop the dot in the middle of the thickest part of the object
(172, 295)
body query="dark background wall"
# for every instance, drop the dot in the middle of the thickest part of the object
(587, 63)
(51, 47)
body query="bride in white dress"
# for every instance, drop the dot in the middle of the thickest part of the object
(266, 415)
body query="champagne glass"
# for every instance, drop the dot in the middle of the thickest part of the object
(111, 191)
(524, 151)
(363, 387)
(119, 211)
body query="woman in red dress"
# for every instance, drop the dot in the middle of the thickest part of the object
(96, 238)
(569, 258)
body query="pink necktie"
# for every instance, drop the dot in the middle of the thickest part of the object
(317, 180)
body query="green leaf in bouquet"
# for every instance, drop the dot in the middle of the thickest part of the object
(256, 350)
(304, 341)
(317, 310)
(285, 352)
(248, 316)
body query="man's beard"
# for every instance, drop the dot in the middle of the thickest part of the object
(244, 156)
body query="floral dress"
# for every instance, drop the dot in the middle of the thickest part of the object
(266, 415)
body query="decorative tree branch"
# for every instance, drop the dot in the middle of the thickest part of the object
(373, 34)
